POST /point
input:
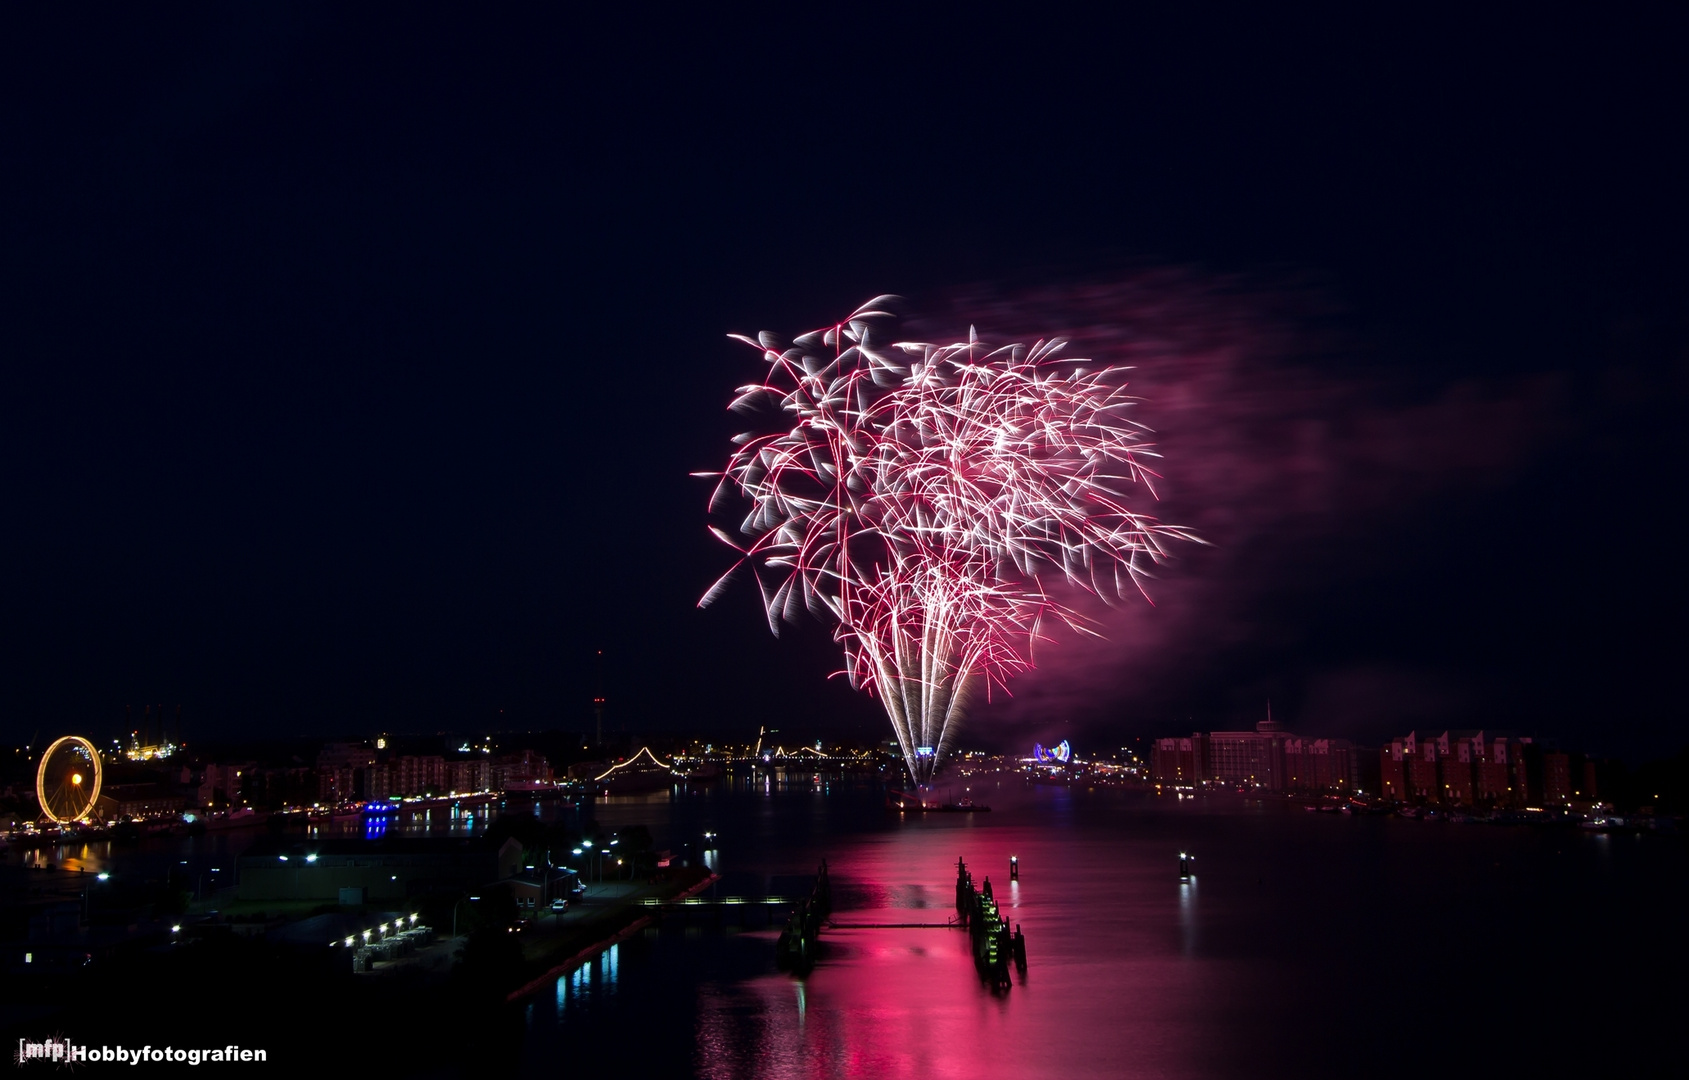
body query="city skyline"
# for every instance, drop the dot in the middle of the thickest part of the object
(355, 384)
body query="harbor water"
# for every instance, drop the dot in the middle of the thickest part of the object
(1304, 944)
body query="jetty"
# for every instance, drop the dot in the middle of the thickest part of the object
(994, 947)
(800, 941)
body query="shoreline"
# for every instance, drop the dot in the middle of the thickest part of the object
(585, 954)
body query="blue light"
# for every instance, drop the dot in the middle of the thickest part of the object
(1060, 754)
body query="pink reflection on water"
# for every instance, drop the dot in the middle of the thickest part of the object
(1112, 986)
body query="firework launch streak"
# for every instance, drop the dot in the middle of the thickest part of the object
(924, 497)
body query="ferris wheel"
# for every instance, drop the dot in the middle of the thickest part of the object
(68, 781)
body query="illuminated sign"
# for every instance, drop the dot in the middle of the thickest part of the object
(923, 751)
(1059, 754)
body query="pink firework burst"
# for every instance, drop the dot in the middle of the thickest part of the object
(923, 497)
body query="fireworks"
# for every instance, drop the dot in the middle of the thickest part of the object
(926, 498)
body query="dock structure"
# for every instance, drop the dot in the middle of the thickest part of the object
(994, 948)
(799, 941)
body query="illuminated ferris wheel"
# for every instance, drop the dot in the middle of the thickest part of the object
(68, 781)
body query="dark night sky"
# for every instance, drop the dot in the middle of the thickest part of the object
(354, 362)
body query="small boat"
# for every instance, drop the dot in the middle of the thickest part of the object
(1602, 823)
(903, 802)
(960, 806)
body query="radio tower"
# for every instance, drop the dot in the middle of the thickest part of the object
(598, 699)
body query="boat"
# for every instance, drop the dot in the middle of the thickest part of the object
(904, 802)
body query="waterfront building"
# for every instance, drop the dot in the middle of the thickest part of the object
(340, 771)
(141, 800)
(1268, 758)
(534, 888)
(469, 774)
(1457, 768)
(220, 785)
(278, 787)
(1495, 774)
(515, 770)
(340, 784)
(1248, 758)
(1324, 766)
(378, 782)
(1180, 761)
(420, 775)
(1556, 778)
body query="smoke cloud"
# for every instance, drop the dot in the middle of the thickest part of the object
(1307, 470)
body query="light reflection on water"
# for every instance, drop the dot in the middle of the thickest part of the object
(206, 861)
(592, 982)
(1289, 956)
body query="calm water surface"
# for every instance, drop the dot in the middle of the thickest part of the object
(1307, 944)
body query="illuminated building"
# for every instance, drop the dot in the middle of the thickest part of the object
(1179, 761)
(1248, 758)
(1268, 759)
(1457, 768)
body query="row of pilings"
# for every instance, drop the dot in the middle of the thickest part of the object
(994, 947)
(800, 940)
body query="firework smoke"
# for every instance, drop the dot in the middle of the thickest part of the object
(926, 498)
(1315, 467)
